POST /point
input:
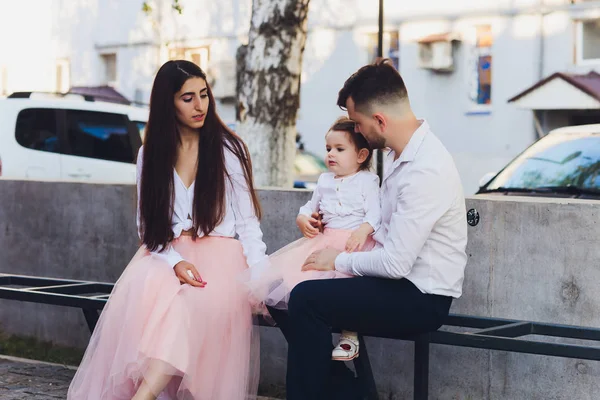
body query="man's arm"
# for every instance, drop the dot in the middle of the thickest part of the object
(423, 198)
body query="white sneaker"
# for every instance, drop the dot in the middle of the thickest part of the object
(346, 350)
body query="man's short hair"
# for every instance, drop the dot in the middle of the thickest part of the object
(377, 83)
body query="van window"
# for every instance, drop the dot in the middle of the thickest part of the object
(141, 127)
(36, 129)
(99, 135)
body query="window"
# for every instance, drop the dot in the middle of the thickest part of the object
(99, 135)
(36, 129)
(391, 47)
(586, 117)
(110, 68)
(587, 47)
(141, 127)
(198, 55)
(480, 67)
(63, 76)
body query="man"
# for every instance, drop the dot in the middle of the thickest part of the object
(407, 283)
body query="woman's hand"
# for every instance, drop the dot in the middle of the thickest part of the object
(187, 273)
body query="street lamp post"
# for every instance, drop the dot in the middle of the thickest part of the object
(380, 55)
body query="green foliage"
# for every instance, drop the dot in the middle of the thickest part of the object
(146, 8)
(175, 5)
(34, 349)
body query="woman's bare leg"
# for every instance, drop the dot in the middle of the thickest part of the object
(155, 380)
(144, 393)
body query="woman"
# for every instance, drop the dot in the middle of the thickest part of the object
(177, 326)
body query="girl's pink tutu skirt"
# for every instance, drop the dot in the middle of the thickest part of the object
(202, 338)
(271, 283)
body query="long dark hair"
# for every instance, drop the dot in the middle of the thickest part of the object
(160, 155)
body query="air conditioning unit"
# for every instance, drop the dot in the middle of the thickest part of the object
(436, 55)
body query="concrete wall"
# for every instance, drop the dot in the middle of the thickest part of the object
(529, 258)
(88, 232)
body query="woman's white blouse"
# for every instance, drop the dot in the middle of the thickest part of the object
(239, 218)
(348, 202)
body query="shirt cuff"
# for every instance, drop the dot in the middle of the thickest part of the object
(373, 224)
(174, 259)
(169, 256)
(342, 263)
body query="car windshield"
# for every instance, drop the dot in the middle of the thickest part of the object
(557, 161)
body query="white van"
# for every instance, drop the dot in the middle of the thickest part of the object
(68, 138)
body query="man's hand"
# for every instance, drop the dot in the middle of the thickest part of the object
(357, 239)
(322, 260)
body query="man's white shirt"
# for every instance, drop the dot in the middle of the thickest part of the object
(423, 231)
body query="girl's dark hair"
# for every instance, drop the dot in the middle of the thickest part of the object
(345, 124)
(160, 153)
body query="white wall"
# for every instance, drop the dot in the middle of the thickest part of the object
(525, 50)
(26, 48)
(80, 30)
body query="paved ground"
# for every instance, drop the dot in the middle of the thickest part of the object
(22, 379)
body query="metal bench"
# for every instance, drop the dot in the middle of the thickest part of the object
(466, 331)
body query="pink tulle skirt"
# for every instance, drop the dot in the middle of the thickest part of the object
(202, 339)
(272, 282)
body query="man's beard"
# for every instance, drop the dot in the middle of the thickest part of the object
(377, 142)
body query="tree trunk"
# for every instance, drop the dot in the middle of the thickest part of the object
(269, 87)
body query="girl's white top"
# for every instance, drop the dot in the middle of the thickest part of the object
(348, 202)
(239, 219)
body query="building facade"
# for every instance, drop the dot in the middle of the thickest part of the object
(462, 60)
